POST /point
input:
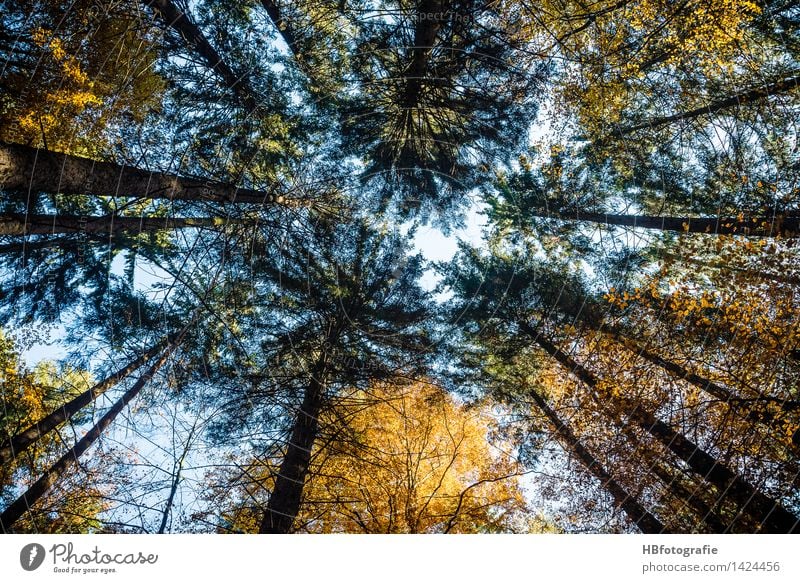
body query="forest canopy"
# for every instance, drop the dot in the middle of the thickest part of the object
(409, 266)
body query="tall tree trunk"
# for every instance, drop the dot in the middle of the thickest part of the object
(23, 167)
(173, 17)
(773, 517)
(284, 28)
(29, 498)
(787, 226)
(675, 486)
(429, 21)
(691, 499)
(23, 440)
(284, 502)
(744, 98)
(20, 224)
(723, 266)
(753, 409)
(54, 243)
(643, 519)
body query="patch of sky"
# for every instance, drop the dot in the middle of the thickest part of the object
(438, 247)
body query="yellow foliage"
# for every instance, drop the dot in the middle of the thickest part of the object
(26, 397)
(67, 99)
(413, 460)
(69, 96)
(610, 48)
(418, 462)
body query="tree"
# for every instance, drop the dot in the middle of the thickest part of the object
(82, 189)
(322, 320)
(30, 497)
(41, 427)
(258, 172)
(27, 395)
(638, 514)
(627, 59)
(446, 88)
(40, 170)
(173, 17)
(403, 458)
(734, 328)
(315, 34)
(747, 97)
(513, 314)
(371, 321)
(560, 194)
(769, 513)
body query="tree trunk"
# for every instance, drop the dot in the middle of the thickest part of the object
(752, 411)
(20, 224)
(284, 28)
(23, 167)
(744, 98)
(643, 519)
(175, 18)
(284, 503)
(787, 226)
(773, 517)
(27, 247)
(691, 499)
(23, 440)
(429, 22)
(723, 266)
(675, 487)
(29, 498)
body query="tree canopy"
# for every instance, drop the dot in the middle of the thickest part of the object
(408, 266)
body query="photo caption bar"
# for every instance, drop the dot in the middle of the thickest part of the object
(133, 558)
